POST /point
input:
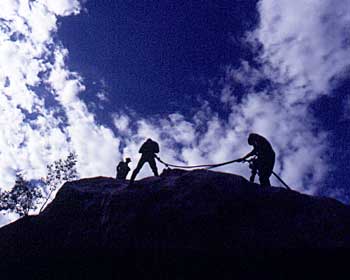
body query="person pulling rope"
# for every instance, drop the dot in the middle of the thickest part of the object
(261, 161)
(211, 166)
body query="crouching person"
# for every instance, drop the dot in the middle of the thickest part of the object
(123, 169)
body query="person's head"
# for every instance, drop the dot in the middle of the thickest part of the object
(252, 139)
(127, 160)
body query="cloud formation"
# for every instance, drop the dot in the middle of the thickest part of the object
(42, 116)
(308, 42)
(306, 51)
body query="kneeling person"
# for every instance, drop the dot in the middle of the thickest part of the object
(123, 169)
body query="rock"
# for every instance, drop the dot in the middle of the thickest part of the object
(200, 213)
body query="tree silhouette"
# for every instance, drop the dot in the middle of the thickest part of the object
(22, 198)
(58, 173)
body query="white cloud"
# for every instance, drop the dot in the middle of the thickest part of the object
(306, 41)
(62, 7)
(122, 123)
(102, 96)
(31, 62)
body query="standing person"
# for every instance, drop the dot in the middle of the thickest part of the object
(123, 169)
(148, 151)
(265, 158)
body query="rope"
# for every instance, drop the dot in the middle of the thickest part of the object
(280, 179)
(210, 166)
(183, 166)
(224, 163)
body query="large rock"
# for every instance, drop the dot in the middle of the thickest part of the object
(199, 212)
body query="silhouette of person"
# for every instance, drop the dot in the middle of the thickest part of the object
(123, 169)
(263, 161)
(148, 151)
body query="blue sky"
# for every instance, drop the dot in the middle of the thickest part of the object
(98, 77)
(157, 57)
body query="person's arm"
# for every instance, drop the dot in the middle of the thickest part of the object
(252, 153)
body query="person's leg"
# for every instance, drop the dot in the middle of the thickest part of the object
(265, 167)
(137, 169)
(264, 180)
(264, 176)
(252, 176)
(153, 165)
(254, 168)
(123, 175)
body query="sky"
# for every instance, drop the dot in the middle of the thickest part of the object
(99, 77)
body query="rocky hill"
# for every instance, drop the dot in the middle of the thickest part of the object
(179, 215)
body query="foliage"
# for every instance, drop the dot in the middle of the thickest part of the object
(22, 198)
(59, 172)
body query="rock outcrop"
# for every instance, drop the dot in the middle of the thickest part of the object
(197, 212)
